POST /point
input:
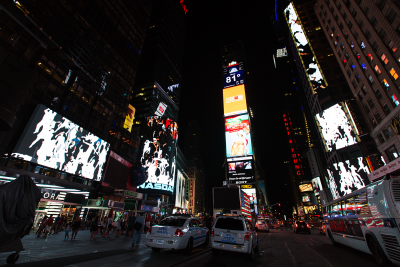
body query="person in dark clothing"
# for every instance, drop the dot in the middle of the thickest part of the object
(131, 222)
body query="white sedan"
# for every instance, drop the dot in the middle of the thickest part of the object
(177, 232)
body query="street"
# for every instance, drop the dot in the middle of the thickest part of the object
(280, 247)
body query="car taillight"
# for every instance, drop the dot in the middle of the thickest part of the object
(178, 232)
(296, 225)
(212, 232)
(149, 230)
(308, 226)
(247, 237)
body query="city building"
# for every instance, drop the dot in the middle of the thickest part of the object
(364, 37)
(68, 70)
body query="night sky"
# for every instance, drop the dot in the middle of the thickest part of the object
(209, 26)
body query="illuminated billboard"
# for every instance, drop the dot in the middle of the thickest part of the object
(53, 141)
(337, 127)
(346, 177)
(305, 51)
(130, 116)
(305, 198)
(237, 136)
(305, 188)
(158, 154)
(251, 192)
(234, 76)
(241, 172)
(117, 172)
(180, 200)
(234, 100)
(317, 186)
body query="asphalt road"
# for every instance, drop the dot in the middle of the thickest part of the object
(282, 247)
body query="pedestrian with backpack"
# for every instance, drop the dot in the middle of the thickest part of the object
(137, 230)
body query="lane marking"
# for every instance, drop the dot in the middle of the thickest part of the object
(329, 264)
(290, 253)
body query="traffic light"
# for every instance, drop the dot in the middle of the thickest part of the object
(279, 204)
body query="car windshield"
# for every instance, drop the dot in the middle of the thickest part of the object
(229, 223)
(173, 222)
(301, 223)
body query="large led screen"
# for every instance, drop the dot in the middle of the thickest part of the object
(234, 100)
(317, 186)
(307, 56)
(251, 192)
(234, 76)
(346, 177)
(158, 150)
(336, 128)
(117, 172)
(53, 141)
(237, 136)
(180, 200)
(305, 188)
(241, 172)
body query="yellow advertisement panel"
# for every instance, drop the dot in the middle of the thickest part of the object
(234, 100)
(130, 116)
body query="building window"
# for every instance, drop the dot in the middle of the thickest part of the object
(349, 73)
(367, 34)
(380, 138)
(391, 15)
(386, 132)
(386, 109)
(384, 59)
(378, 94)
(344, 62)
(392, 47)
(374, 124)
(364, 66)
(381, 4)
(373, 21)
(354, 83)
(335, 43)
(353, 66)
(358, 55)
(377, 70)
(369, 56)
(394, 74)
(392, 153)
(375, 46)
(362, 45)
(385, 84)
(371, 103)
(366, 108)
(360, 96)
(347, 55)
(352, 45)
(364, 89)
(340, 52)
(395, 100)
(358, 77)
(378, 117)
(370, 79)
(354, 12)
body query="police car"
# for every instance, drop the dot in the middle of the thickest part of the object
(233, 233)
(262, 225)
(177, 232)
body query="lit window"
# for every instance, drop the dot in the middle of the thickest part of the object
(335, 43)
(352, 45)
(394, 74)
(395, 100)
(392, 153)
(370, 56)
(318, 28)
(353, 66)
(377, 69)
(392, 47)
(363, 45)
(364, 66)
(358, 56)
(344, 61)
(385, 84)
(384, 59)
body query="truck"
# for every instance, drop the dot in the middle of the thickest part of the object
(226, 200)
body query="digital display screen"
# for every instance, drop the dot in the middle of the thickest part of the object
(307, 56)
(241, 172)
(335, 127)
(158, 154)
(180, 200)
(53, 141)
(117, 171)
(251, 192)
(348, 176)
(306, 198)
(234, 100)
(305, 188)
(237, 136)
(317, 186)
(233, 79)
(130, 116)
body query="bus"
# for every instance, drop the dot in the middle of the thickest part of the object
(368, 220)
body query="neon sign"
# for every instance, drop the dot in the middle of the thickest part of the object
(292, 144)
(183, 6)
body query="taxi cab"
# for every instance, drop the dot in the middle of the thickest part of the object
(177, 232)
(262, 225)
(233, 233)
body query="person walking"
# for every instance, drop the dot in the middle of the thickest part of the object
(55, 225)
(109, 227)
(94, 227)
(49, 225)
(137, 230)
(67, 229)
(42, 226)
(131, 222)
(76, 225)
(118, 230)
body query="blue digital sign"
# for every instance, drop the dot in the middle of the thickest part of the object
(234, 78)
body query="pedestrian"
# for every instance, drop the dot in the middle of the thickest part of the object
(67, 229)
(49, 225)
(109, 226)
(94, 227)
(55, 224)
(119, 221)
(76, 225)
(137, 230)
(42, 226)
(131, 222)
(60, 224)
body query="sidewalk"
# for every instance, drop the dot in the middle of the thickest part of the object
(54, 246)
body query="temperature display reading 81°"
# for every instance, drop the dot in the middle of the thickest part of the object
(233, 79)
